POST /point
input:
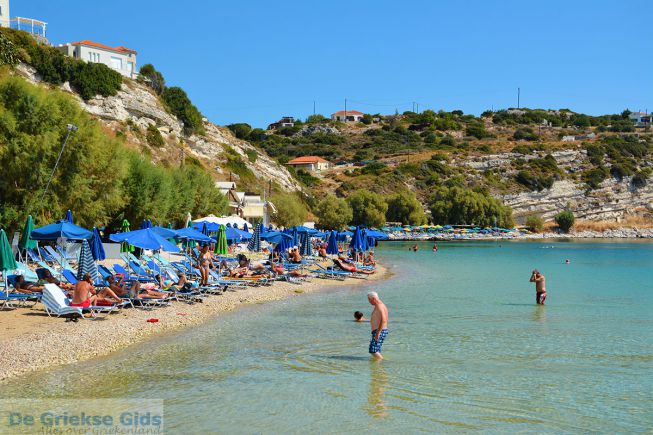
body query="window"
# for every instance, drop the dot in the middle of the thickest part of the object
(130, 67)
(116, 63)
(90, 56)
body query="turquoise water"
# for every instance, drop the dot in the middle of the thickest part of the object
(468, 350)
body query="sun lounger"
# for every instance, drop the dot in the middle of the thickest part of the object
(57, 304)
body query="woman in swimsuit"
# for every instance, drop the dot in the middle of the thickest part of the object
(206, 261)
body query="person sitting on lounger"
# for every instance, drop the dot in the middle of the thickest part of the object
(322, 252)
(370, 261)
(294, 255)
(84, 294)
(26, 287)
(351, 267)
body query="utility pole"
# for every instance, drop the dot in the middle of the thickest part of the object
(313, 107)
(71, 128)
(345, 110)
(417, 107)
(182, 157)
(518, 96)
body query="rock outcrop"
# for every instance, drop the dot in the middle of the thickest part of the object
(139, 106)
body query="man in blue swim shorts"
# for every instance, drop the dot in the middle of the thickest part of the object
(379, 324)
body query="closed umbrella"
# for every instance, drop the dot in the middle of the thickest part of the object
(125, 247)
(221, 247)
(97, 250)
(25, 241)
(356, 242)
(86, 263)
(7, 260)
(205, 229)
(332, 246)
(255, 242)
(245, 228)
(144, 224)
(69, 216)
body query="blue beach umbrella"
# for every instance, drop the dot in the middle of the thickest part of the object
(255, 242)
(244, 235)
(145, 239)
(276, 237)
(97, 250)
(356, 242)
(307, 247)
(270, 227)
(165, 232)
(86, 263)
(59, 229)
(332, 246)
(69, 216)
(193, 235)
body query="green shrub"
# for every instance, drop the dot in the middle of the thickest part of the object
(8, 53)
(153, 137)
(565, 220)
(640, 179)
(306, 178)
(251, 155)
(477, 130)
(535, 223)
(91, 79)
(594, 177)
(180, 105)
(375, 168)
(240, 130)
(525, 133)
(152, 78)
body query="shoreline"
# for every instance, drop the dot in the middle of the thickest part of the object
(33, 341)
(622, 233)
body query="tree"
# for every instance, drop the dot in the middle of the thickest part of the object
(477, 130)
(333, 213)
(405, 208)
(461, 206)
(535, 223)
(290, 211)
(565, 220)
(316, 119)
(368, 208)
(180, 105)
(240, 130)
(153, 137)
(153, 78)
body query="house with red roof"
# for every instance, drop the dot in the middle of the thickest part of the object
(310, 163)
(347, 116)
(121, 59)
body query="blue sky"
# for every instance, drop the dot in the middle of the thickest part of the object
(254, 61)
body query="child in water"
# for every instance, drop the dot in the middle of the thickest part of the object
(358, 317)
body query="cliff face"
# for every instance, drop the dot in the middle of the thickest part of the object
(136, 107)
(611, 201)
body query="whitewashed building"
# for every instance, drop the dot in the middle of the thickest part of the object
(348, 116)
(121, 59)
(310, 163)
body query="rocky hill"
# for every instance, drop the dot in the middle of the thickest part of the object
(539, 162)
(136, 108)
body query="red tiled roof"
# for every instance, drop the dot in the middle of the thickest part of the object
(120, 49)
(348, 112)
(305, 160)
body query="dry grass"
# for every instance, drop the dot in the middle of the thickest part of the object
(628, 222)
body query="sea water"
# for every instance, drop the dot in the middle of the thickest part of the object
(468, 350)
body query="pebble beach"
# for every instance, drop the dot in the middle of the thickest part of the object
(33, 341)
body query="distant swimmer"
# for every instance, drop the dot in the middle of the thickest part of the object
(435, 247)
(567, 261)
(379, 324)
(540, 286)
(358, 317)
(415, 248)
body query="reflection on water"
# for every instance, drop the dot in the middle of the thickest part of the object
(470, 351)
(539, 314)
(376, 404)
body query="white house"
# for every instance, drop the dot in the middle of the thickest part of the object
(121, 59)
(641, 119)
(310, 163)
(347, 115)
(286, 121)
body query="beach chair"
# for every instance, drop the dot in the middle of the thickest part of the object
(58, 258)
(54, 272)
(45, 255)
(122, 271)
(57, 304)
(33, 255)
(93, 309)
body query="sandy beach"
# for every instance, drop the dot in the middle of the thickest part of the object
(33, 341)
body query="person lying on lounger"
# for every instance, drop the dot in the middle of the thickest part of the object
(280, 270)
(49, 279)
(26, 287)
(351, 267)
(121, 289)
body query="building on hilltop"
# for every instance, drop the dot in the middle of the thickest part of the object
(36, 28)
(641, 119)
(286, 121)
(348, 116)
(121, 59)
(310, 163)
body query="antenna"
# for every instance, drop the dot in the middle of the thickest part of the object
(518, 96)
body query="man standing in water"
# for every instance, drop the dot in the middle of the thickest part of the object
(379, 324)
(540, 286)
